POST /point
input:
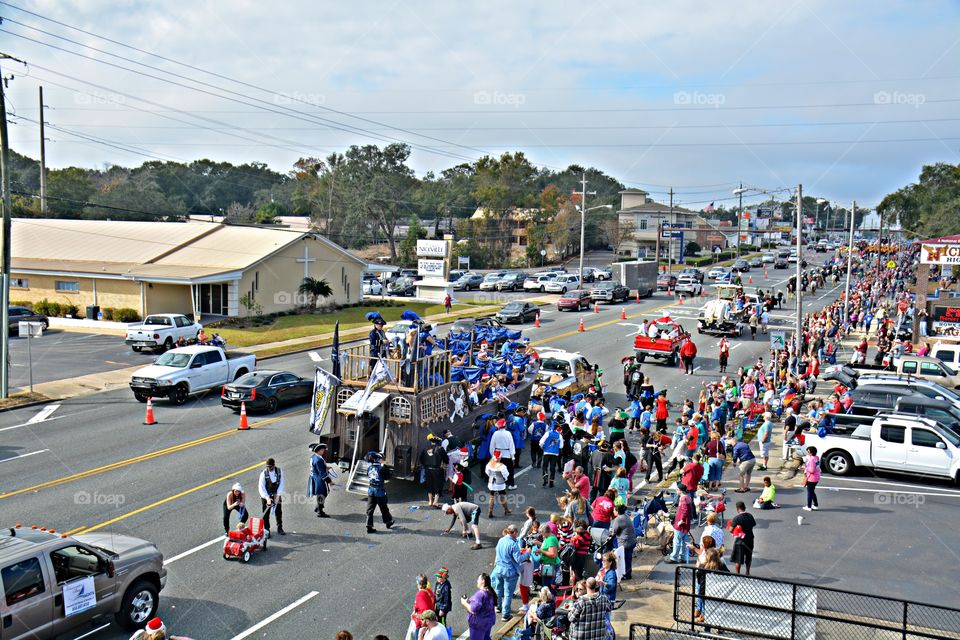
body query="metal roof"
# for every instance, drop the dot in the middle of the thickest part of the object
(150, 251)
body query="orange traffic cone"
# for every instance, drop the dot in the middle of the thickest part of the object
(596, 307)
(638, 296)
(766, 275)
(149, 419)
(580, 328)
(243, 426)
(749, 279)
(536, 321)
(680, 301)
(623, 313)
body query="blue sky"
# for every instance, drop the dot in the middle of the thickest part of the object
(849, 98)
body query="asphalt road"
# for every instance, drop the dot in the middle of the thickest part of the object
(89, 464)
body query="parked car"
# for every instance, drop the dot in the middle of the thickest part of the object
(605, 273)
(783, 253)
(717, 272)
(575, 300)
(609, 291)
(899, 444)
(467, 282)
(517, 311)
(511, 281)
(690, 286)
(399, 331)
(187, 370)
(455, 274)
(372, 287)
(490, 280)
(22, 314)
(538, 281)
(557, 269)
(780, 263)
(921, 367)
(691, 272)
(127, 575)
(402, 287)
(266, 391)
(590, 274)
(563, 283)
(741, 266)
(413, 274)
(666, 281)
(756, 262)
(160, 331)
(909, 385)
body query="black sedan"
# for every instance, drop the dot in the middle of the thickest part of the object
(518, 311)
(742, 266)
(781, 263)
(23, 314)
(266, 391)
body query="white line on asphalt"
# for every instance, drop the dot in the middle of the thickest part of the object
(179, 556)
(906, 493)
(287, 609)
(695, 369)
(520, 473)
(32, 424)
(24, 455)
(43, 414)
(734, 346)
(895, 484)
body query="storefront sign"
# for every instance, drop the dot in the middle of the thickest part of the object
(946, 321)
(430, 268)
(432, 248)
(939, 254)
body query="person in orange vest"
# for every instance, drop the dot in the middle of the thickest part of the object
(687, 353)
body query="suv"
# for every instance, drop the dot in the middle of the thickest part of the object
(491, 279)
(908, 384)
(512, 281)
(688, 285)
(468, 281)
(691, 272)
(538, 281)
(55, 584)
(562, 283)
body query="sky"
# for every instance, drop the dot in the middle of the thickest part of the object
(848, 98)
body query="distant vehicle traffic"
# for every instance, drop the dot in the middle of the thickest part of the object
(517, 311)
(741, 266)
(266, 391)
(691, 272)
(181, 372)
(666, 281)
(161, 331)
(689, 286)
(574, 300)
(609, 291)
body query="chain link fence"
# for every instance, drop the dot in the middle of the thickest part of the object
(651, 632)
(777, 609)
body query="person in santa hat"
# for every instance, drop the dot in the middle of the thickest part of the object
(501, 442)
(155, 630)
(497, 474)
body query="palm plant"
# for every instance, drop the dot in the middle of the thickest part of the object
(315, 289)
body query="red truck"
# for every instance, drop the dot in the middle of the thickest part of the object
(665, 346)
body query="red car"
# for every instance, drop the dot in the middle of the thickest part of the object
(575, 300)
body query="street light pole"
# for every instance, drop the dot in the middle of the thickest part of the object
(797, 289)
(583, 220)
(739, 217)
(846, 290)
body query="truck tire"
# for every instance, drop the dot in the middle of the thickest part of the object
(168, 344)
(674, 359)
(839, 463)
(179, 394)
(139, 605)
(641, 357)
(140, 396)
(240, 372)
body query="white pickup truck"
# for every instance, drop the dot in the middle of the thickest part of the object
(907, 444)
(161, 331)
(181, 372)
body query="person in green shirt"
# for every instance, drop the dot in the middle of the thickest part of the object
(767, 499)
(618, 425)
(549, 557)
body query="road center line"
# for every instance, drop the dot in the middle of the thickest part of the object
(199, 547)
(186, 492)
(287, 609)
(23, 455)
(147, 456)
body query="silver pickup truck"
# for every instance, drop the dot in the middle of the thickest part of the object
(181, 372)
(57, 584)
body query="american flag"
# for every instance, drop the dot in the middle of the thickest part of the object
(708, 208)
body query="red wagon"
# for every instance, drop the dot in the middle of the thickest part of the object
(241, 542)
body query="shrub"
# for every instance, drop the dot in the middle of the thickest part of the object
(69, 310)
(53, 310)
(699, 262)
(108, 313)
(42, 307)
(126, 314)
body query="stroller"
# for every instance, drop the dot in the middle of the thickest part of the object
(240, 542)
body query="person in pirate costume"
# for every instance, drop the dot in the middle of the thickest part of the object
(433, 464)
(377, 336)
(377, 491)
(271, 487)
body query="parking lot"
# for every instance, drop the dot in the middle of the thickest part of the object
(63, 354)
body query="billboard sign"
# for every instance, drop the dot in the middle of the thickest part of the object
(432, 248)
(946, 321)
(939, 253)
(430, 268)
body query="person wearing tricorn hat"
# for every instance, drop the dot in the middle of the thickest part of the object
(377, 475)
(319, 483)
(377, 336)
(433, 464)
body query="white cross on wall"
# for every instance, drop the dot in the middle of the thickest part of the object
(306, 260)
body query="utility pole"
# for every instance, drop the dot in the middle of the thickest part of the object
(43, 160)
(583, 220)
(846, 290)
(739, 218)
(5, 266)
(670, 237)
(799, 329)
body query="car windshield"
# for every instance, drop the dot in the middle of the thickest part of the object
(171, 359)
(555, 364)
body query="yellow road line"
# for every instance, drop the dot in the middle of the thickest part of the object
(80, 530)
(602, 324)
(141, 458)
